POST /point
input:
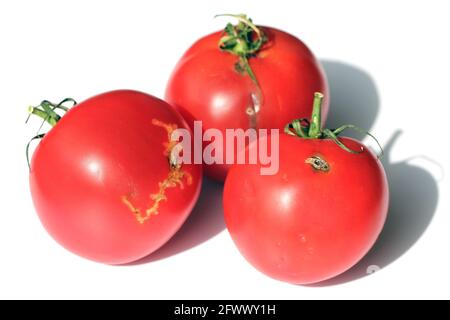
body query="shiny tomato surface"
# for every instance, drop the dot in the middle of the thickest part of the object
(206, 86)
(304, 225)
(101, 180)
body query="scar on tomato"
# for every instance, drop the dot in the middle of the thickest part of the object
(318, 163)
(253, 109)
(175, 178)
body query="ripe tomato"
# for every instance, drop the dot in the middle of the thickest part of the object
(314, 219)
(101, 181)
(244, 77)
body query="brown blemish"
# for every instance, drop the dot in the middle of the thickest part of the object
(174, 178)
(318, 163)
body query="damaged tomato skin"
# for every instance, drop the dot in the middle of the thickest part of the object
(205, 86)
(303, 226)
(104, 149)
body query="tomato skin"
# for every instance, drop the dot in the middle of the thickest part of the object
(102, 150)
(301, 225)
(205, 86)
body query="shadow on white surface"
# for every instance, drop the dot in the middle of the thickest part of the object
(414, 195)
(414, 192)
(354, 96)
(205, 221)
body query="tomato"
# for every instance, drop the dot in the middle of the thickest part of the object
(316, 217)
(101, 181)
(246, 77)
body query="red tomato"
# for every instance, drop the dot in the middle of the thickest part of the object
(315, 218)
(101, 180)
(207, 86)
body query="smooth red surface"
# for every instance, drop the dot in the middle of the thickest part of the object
(303, 226)
(101, 150)
(205, 85)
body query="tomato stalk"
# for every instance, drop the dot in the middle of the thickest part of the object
(46, 110)
(312, 129)
(48, 116)
(315, 129)
(244, 40)
(241, 41)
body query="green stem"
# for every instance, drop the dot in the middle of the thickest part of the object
(315, 128)
(47, 116)
(244, 40)
(249, 71)
(36, 137)
(46, 111)
(242, 18)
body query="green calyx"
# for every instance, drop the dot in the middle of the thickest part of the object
(47, 111)
(244, 40)
(312, 129)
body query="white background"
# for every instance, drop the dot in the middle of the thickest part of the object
(388, 63)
